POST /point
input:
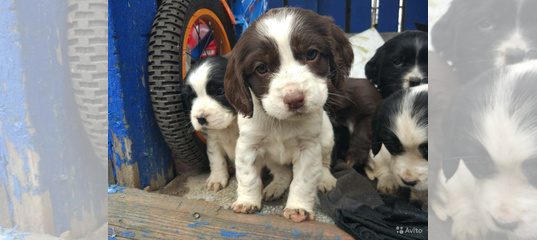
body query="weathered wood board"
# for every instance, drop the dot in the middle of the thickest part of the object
(137, 214)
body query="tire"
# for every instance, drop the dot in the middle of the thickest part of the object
(88, 59)
(166, 72)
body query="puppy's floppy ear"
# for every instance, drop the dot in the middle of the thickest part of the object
(235, 87)
(342, 55)
(376, 141)
(445, 29)
(371, 67)
(186, 97)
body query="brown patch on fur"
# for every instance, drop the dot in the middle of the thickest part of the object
(357, 105)
(251, 49)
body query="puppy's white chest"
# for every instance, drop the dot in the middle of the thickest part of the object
(281, 150)
(284, 144)
(226, 139)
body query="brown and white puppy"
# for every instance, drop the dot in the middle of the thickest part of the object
(352, 113)
(278, 78)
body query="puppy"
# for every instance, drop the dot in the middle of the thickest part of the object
(351, 114)
(211, 114)
(400, 63)
(475, 36)
(488, 185)
(399, 152)
(278, 78)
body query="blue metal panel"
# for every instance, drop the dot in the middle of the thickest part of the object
(246, 12)
(141, 157)
(388, 15)
(415, 11)
(360, 15)
(307, 4)
(275, 3)
(335, 9)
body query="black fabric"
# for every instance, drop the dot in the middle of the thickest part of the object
(357, 208)
(396, 219)
(352, 190)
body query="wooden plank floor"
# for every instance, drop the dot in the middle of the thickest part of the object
(137, 214)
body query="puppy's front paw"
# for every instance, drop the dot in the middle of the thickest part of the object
(216, 182)
(298, 215)
(386, 185)
(370, 173)
(245, 207)
(274, 190)
(468, 229)
(327, 182)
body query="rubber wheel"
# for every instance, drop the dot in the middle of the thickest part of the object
(88, 49)
(169, 60)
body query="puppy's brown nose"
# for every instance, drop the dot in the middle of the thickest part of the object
(294, 100)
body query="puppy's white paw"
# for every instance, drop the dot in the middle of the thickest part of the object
(386, 185)
(298, 214)
(275, 190)
(245, 207)
(328, 181)
(468, 229)
(370, 173)
(217, 181)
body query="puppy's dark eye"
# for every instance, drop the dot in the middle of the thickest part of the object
(261, 69)
(216, 91)
(220, 91)
(485, 25)
(530, 170)
(312, 54)
(397, 62)
(424, 150)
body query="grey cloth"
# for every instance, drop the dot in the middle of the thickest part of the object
(352, 190)
(357, 208)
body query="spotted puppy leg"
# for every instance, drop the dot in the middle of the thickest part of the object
(248, 172)
(307, 171)
(218, 179)
(328, 181)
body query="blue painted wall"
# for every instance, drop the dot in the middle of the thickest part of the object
(415, 11)
(45, 164)
(13, 128)
(140, 156)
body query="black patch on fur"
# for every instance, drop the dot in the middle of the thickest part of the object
(419, 108)
(187, 96)
(215, 82)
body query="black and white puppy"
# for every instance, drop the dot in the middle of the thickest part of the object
(474, 36)
(488, 183)
(399, 150)
(279, 77)
(400, 63)
(211, 114)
